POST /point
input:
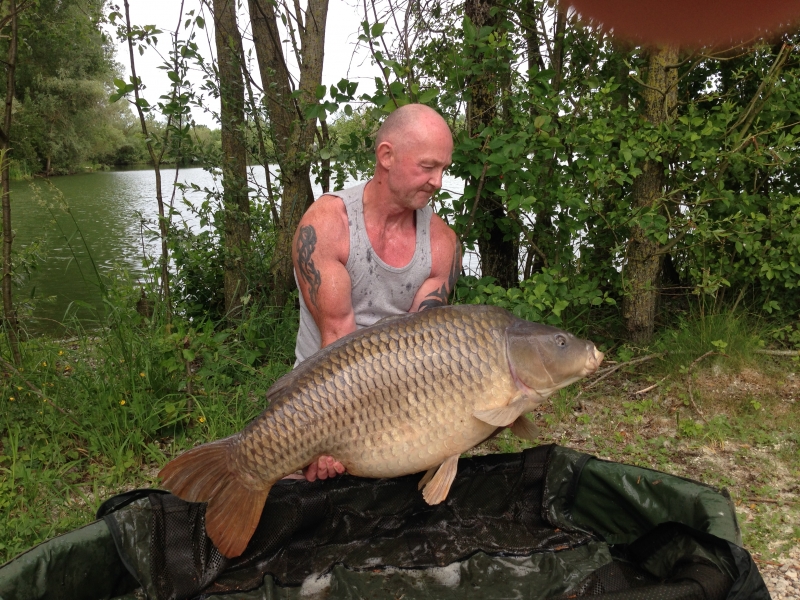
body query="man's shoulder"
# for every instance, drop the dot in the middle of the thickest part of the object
(442, 232)
(328, 211)
(326, 223)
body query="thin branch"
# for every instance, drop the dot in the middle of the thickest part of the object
(610, 370)
(156, 165)
(652, 387)
(778, 352)
(372, 51)
(689, 380)
(481, 181)
(770, 501)
(292, 35)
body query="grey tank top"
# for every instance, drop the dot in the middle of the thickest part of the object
(378, 290)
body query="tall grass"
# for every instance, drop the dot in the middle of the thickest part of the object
(732, 337)
(100, 411)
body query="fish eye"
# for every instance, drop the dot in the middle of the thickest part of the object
(561, 340)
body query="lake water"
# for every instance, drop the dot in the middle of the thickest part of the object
(116, 213)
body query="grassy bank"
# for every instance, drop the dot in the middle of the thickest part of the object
(97, 414)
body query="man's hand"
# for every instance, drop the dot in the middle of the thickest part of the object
(322, 468)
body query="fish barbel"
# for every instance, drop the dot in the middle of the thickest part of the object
(409, 394)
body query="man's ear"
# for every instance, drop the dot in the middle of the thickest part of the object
(385, 154)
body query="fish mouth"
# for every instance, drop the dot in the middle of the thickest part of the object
(593, 361)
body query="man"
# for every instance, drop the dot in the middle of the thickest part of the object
(377, 249)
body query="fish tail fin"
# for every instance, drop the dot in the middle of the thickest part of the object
(232, 516)
(203, 475)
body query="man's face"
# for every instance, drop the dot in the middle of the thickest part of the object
(417, 164)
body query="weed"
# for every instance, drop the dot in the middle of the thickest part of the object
(734, 339)
(113, 404)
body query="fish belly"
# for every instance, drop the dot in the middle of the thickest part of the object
(401, 446)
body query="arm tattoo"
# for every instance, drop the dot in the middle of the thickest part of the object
(439, 297)
(306, 242)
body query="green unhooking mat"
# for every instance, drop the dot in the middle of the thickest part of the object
(549, 523)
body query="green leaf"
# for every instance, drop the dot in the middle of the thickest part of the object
(325, 154)
(498, 158)
(428, 95)
(201, 22)
(559, 306)
(321, 91)
(377, 29)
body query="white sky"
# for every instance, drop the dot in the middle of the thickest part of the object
(343, 57)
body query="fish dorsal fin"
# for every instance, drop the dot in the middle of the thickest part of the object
(391, 318)
(438, 487)
(504, 416)
(526, 429)
(287, 381)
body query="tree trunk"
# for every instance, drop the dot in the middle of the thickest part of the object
(643, 260)
(544, 232)
(234, 155)
(498, 244)
(9, 314)
(292, 133)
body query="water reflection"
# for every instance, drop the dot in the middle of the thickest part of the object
(111, 224)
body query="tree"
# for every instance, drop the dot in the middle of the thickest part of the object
(65, 67)
(9, 315)
(644, 255)
(603, 172)
(291, 114)
(236, 202)
(497, 235)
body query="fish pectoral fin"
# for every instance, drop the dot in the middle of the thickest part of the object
(505, 415)
(427, 477)
(438, 487)
(526, 429)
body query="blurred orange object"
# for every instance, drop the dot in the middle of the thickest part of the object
(689, 22)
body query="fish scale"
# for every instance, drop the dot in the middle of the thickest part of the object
(406, 395)
(391, 422)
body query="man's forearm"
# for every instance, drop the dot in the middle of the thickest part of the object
(439, 297)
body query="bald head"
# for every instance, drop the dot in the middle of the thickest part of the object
(413, 148)
(407, 123)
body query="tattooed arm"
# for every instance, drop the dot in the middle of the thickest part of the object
(319, 252)
(445, 267)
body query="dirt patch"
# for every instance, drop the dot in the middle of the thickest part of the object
(783, 578)
(736, 431)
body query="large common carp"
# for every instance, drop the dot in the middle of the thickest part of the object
(408, 394)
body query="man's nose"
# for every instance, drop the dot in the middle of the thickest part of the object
(436, 179)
